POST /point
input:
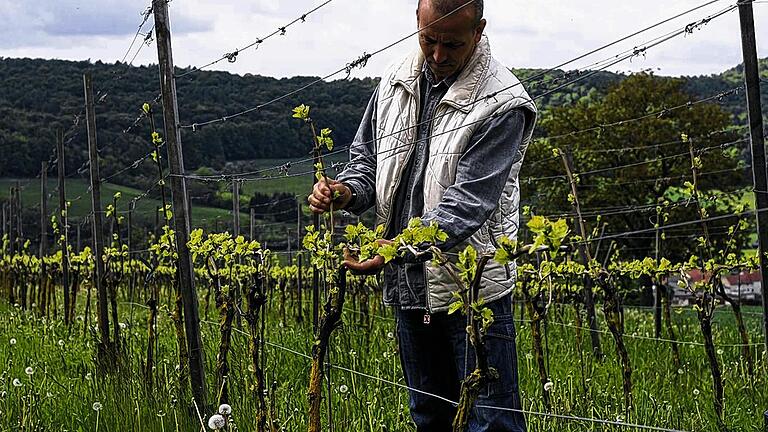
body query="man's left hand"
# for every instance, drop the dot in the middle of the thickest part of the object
(367, 267)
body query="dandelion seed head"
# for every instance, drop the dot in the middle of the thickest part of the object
(343, 388)
(123, 326)
(61, 342)
(720, 351)
(696, 392)
(88, 376)
(217, 422)
(12, 341)
(29, 371)
(528, 356)
(680, 371)
(225, 409)
(16, 382)
(390, 335)
(548, 386)
(97, 406)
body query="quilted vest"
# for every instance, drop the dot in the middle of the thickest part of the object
(483, 88)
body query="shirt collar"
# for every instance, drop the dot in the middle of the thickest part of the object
(431, 80)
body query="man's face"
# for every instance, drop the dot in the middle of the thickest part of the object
(449, 43)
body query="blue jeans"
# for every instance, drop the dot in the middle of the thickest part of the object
(437, 356)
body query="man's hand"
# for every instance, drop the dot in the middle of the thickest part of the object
(324, 193)
(367, 267)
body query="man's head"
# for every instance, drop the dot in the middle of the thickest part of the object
(451, 31)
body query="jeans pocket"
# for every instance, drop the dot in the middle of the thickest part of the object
(500, 348)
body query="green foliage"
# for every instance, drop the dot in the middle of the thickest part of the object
(610, 142)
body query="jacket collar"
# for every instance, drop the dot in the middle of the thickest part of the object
(463, 93)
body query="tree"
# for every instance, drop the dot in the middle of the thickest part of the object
(624, 169)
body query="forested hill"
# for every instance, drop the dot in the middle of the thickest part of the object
(37, 96)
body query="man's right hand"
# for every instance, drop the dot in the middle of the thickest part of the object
(323, 195)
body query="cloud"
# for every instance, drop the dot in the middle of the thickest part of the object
(522, 33)
(66, 22)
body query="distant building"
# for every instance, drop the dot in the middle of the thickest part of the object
(744, 287)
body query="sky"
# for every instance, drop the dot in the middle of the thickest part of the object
(530, 34)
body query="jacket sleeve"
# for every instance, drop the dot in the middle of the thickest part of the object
(482, 172)
(360, 173)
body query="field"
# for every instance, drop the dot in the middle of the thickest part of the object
(60, 390)
(78, 194)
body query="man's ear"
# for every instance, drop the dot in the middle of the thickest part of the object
(480, 29)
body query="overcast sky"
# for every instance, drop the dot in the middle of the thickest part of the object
(539, 33)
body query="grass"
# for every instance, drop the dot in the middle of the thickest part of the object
(60, 394)
(79, 195)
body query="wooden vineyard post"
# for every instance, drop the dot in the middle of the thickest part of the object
(657, 290)
(43, 209)
(235, 208)
(180, 202)
(12, 221)
(11, 239)
(97, 231)
(584, 254)
(19, 220)
(299, 280)
(4, 227)
(252, 227)
(757, 143)
(298, 224)
(43, 226)
(63, 223)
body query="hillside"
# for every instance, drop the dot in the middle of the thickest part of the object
(37, 96)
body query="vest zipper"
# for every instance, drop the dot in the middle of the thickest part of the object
(427, 294)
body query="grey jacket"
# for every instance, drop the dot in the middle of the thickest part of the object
(474, 202)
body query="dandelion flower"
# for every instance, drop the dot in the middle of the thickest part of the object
(16, 382)
(97, 406)
(217, 422)
(13, 341)
(225, 409)
(29, 371)
(343, 388)
(548, 386)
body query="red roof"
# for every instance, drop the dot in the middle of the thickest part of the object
(746, 278)
(697, 275)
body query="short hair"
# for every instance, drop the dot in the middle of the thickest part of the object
(444, 7)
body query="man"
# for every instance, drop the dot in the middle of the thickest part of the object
(443, 139)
